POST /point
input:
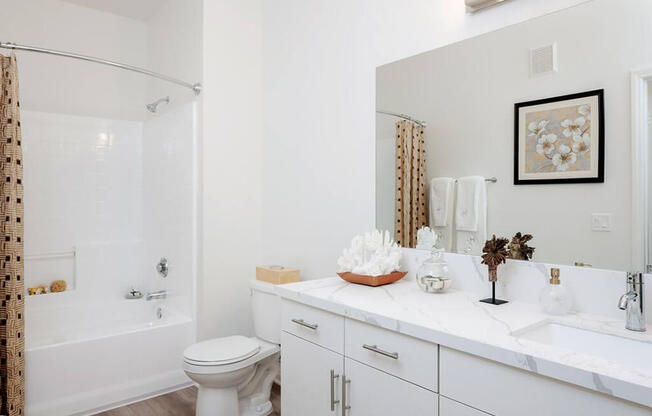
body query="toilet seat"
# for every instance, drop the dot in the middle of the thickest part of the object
(264, 350)
(221, 351)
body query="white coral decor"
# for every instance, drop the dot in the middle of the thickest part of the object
(371, 254)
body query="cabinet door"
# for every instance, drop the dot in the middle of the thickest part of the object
(306, 379)
(448, 407)
(374, 393)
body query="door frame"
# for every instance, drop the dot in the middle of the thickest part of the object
(640, 78)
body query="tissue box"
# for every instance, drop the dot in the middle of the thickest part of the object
(277, 274)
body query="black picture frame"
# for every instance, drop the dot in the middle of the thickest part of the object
(601, 139)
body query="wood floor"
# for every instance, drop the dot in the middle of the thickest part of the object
(178, 403)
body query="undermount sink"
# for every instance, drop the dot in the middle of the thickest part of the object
(611, 347)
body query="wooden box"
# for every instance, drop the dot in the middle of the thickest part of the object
(277, 274)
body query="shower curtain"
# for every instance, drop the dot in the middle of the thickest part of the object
(12, 339)
(411, 204)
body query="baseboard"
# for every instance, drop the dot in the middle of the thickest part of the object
(97, 401)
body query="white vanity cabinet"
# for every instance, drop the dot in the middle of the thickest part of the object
(503, 390)
(310, 375)
(315, 366)
(386, 373)
(450, 407)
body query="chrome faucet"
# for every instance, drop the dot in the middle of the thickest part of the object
(632, 302)
(159, 294)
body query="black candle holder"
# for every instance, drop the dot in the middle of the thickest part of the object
(492, 300)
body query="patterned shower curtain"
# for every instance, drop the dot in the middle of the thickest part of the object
(411, 204)
(12, 339)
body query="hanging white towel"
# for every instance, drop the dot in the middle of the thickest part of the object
(442, 191)
(441, 200)
(471, 214)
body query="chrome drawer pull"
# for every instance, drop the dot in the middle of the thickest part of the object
(333, 401)
(305, 324)
(345, 407)
(377, 350)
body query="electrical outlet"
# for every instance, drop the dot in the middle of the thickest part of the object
(601, 222)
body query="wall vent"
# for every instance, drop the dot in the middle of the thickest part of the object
(543, 60)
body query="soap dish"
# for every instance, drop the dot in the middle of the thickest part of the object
(383, 279)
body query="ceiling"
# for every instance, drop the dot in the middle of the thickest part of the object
(134, 9)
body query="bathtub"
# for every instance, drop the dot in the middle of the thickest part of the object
(100, 356)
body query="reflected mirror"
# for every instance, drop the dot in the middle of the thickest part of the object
(524, 129)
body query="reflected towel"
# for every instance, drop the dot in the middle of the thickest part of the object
(441, 199)
(471, 203)
(471, 215)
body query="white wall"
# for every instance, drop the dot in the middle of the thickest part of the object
(319, 79)
(174, 47)
(55, 84)
(466, 92)
(231, 206)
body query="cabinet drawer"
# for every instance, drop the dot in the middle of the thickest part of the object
(448, 407)
(370, 392)
(405, 357)
(314, 325)
(507, 391)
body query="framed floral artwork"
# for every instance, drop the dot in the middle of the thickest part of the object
(560, 139)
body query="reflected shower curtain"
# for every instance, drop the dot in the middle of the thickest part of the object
(411, 204)
(12, 340)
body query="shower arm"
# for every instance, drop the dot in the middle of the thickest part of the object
(10, 45)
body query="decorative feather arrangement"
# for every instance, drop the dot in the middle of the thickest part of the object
(519, 249)
(373, 254)
(495, 253)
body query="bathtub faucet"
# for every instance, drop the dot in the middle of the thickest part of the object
(159, 294)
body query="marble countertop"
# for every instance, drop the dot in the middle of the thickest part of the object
(457, 320)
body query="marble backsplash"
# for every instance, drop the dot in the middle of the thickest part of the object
(594, 291)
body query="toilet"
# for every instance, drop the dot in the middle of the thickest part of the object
(235, 373)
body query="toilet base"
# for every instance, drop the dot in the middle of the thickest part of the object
(249, 398)
(212, 401)
(246, 409)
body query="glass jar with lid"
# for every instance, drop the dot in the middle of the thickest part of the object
(433, 275)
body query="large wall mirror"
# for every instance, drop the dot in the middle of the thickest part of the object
(525, 129)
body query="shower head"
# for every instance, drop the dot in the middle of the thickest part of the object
(152, 107)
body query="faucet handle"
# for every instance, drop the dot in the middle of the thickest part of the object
(634, 278)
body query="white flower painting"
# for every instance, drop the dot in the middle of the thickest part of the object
(560, 139)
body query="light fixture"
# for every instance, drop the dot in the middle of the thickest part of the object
(475, 5)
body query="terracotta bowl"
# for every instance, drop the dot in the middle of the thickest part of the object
(384, 279)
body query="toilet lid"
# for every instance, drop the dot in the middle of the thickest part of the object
(222, 351)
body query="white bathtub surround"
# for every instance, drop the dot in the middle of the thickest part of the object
(373, 254)
(471, 214)
(442, 192)
(456, 320)
(102, 356)
(133, 205)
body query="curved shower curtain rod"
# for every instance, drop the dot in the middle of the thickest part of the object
(10, 45)
(403, 116)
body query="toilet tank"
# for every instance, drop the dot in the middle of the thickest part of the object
(266, 311)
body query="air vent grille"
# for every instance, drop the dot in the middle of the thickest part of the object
(543, 60)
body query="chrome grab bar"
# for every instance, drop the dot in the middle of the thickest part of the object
(305, 324)
(333, 401)
(377, 350)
